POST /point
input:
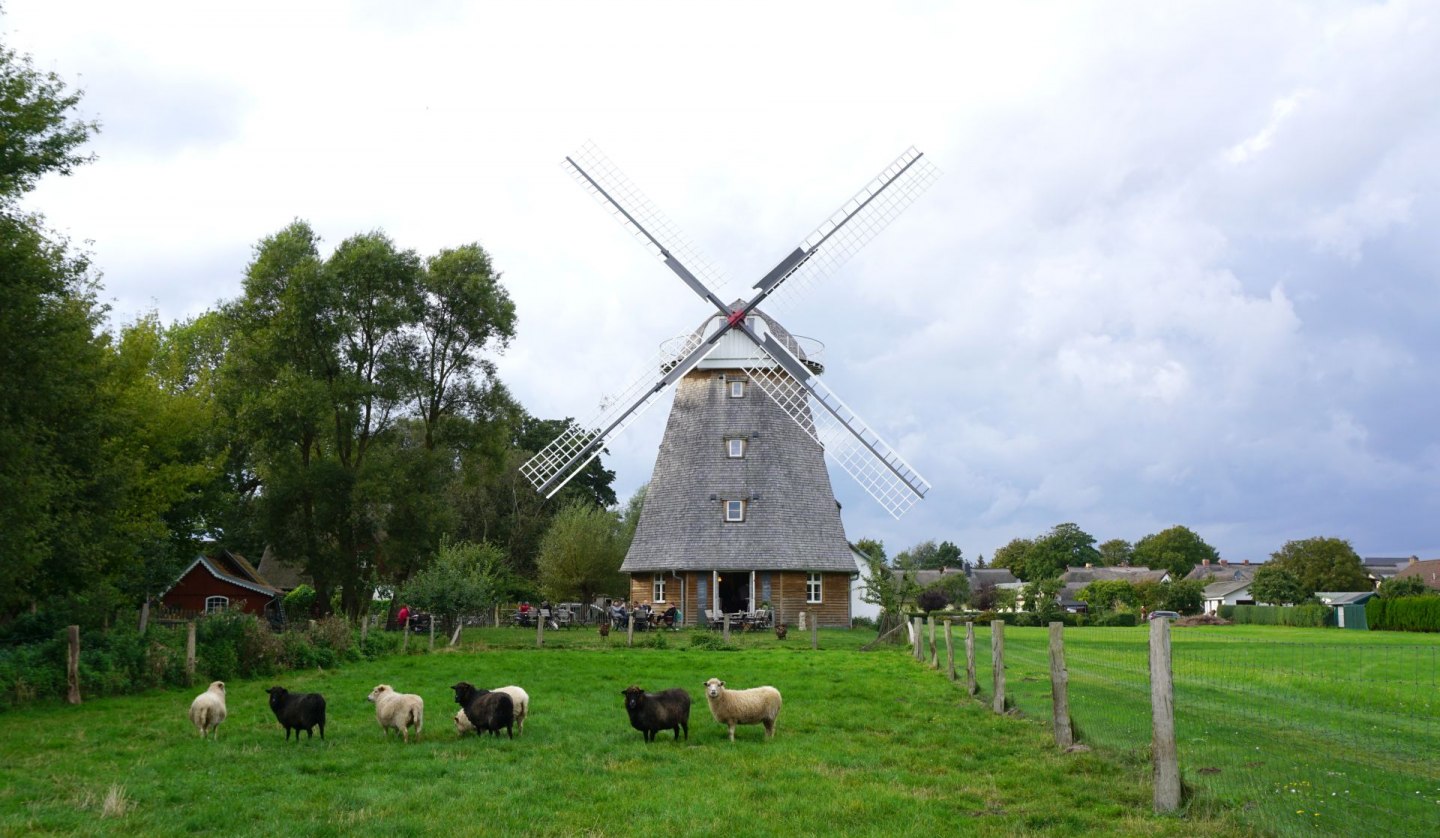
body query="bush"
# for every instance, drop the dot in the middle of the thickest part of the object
(298, 603)
(710, 641)
(1127, 619)
(1309, 616)
(1406, 613)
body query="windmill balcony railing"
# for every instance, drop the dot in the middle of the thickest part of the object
(805, 348)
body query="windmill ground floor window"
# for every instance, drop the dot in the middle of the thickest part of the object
(812, 588)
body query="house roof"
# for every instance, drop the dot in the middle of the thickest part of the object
(229, 567)
(926, 578)
(1083, 576)
(1427, 571)
(1223, 571)
(992, 576)
(1222, 589)
(791, 520)
(1344, 597)
(280, 573)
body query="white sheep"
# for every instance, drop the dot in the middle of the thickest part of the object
(518, 697)
(398, 711)
(207, 711)
(757, 705)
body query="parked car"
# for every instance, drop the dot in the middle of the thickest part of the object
(1166, 615)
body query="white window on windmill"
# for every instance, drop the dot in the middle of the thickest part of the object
(734, 511)
(735, 448)
(658, 594)
(812, 587)
(216, 603)
(737, 388)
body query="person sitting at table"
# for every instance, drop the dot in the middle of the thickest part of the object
(645, 612)
(618, 614)
(670, 616)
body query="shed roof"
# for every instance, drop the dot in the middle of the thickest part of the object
(1220, 590)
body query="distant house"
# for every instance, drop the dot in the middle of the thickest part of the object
(1383, 569)
(220, 581)
(1427, 571)
(1226, 592)
(1075, 579)
(1223, 571)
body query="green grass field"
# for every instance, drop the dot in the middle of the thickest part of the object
(1297, 731)
(868, 743)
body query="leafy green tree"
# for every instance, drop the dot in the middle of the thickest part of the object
(1323, 564)
(955, 586)
(891, 588)
(1183, 596)
(1042, 597)
(930, 600)
(1275, 585)
(465, 578)
(1149, 594)
(1014, 557)
(871, 547)
(581, 553)
(1177, 549)
(1047, 557)
(1116, 552)
(41, 136)
(1107, 594)
(1404, 586)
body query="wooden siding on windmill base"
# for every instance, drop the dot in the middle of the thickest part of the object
(787, 595)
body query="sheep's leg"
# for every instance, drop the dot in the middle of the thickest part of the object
(687, 731)
(769, 728)
(732, 731)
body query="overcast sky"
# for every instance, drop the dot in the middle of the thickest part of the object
(1175, 270)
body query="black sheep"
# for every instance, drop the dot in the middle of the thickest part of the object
(652, 712)
(298, 711)
(487, 711)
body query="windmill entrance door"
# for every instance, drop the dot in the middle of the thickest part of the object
(735, 588)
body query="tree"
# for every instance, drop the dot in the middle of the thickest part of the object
(891, 588)
(982, 597)
(1015, 557)
(927, 555)
(931, 599)
(1323, 564)
(1404, 586)
(1042, 597)
(581, 552)
(1177, 549)
(465, 578)
(1047, 557)
(1107, 594)
(1183, 596)
(1275, 585)
(41, 135)
(871, 547)
(1116, 552)
(954, 585)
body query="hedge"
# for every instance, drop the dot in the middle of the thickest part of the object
(1406, 613)
(1312, 616)
(227, 645)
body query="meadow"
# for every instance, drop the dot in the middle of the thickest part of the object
(868, 743)
(1296, 731)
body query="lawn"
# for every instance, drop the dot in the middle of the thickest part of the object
(868, 743)
(1293, 730)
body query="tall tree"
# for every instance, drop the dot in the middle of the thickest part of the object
(1014, 556)
(1177, 549)
(581, 552)
(1323, 564)
(1274, 585)
(927, 555)
(1116, 552)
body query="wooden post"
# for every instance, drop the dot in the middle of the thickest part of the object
(539, 630)
(917, 639)
(815, 631)
(497, 615)
(189, 653)
(997, 663)
(725, 631)
(949, 650)
(1059, 688)
(432, 632)
(630, 630)
(405, 638)
(972, 686)
(364, 629)
(1162, 714)
(72, 663)
(459, 624)
(144, 615)
(934, 650)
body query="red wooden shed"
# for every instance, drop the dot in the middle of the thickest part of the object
(220, 581)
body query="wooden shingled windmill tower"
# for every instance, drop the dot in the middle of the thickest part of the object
(740, 515)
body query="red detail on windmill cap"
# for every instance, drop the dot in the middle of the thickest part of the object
(736, 316)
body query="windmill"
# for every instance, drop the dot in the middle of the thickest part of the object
(774, 363)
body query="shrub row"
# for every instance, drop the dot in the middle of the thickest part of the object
(227, 645)
(1408, 613)
(1313, 615)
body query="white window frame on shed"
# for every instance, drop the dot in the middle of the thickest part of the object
(737, 388)
(216, 603)
(657, 590)
(735, 448)
(814, 588)
(734, 511)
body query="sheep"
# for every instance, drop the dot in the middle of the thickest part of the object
(298, 711)
(653, 712)
(758, 705)
(519, 699)
(398, 711)
(487, 711)
(207, 711)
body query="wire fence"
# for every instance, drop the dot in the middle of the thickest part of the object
(1292, 738)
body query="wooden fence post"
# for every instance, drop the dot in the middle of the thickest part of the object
(949, 650)
(72, 665)
(432, 632)
(1162, 714)
(972, 686)
(815, 632)
(405, 638)
(364, 629)
(934, 650)
(630, 630)
(917, 638)
(189, 653)
(539, 630)
(459, 624)
(725, 630)
(1059, 688)
(997, 663)
(144, 615)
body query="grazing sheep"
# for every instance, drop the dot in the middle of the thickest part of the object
(519, 699)
(757, 705)
(207, 711)
(298, 711)
(486, 711)
(398, 711)
(653, 712)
